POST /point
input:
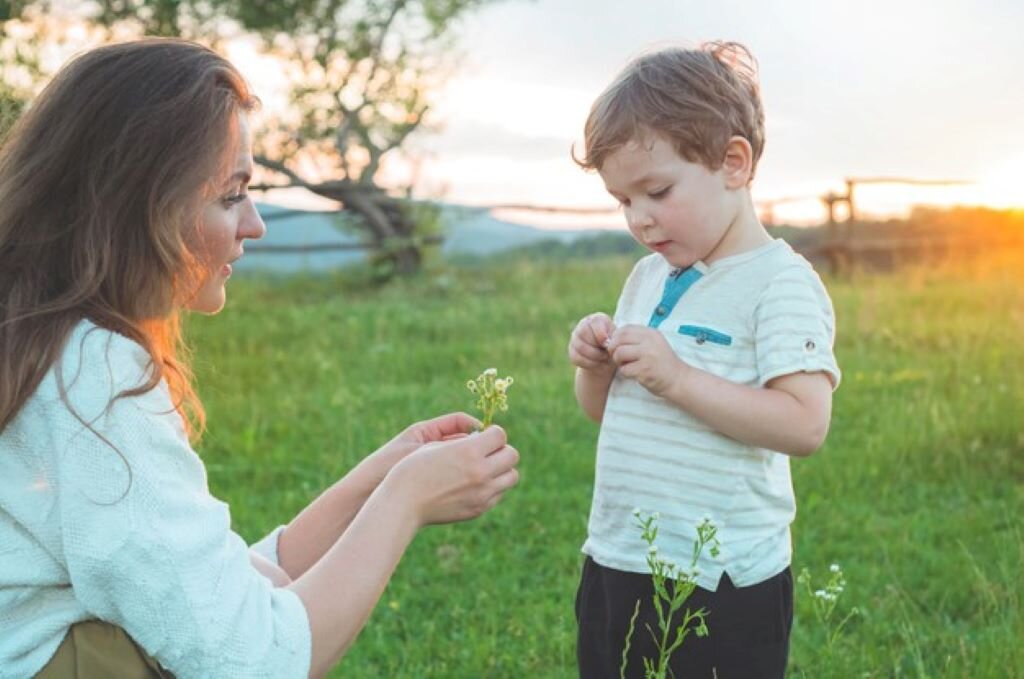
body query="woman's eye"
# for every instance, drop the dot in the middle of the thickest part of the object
(235, 199)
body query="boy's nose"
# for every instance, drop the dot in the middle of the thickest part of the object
(639, 220)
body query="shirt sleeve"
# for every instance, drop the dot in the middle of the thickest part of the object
(149, 549)
(267, 546)
(795, 327)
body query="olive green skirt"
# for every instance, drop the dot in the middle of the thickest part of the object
(95, 649)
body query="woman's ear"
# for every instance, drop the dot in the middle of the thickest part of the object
(738, 165)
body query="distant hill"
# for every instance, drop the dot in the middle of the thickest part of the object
(473, 235)
(468, 231)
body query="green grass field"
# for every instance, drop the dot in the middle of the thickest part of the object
(918, 493)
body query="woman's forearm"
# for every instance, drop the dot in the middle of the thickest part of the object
(310, 534)
(341, 589)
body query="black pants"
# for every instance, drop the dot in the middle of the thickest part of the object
(749, 627)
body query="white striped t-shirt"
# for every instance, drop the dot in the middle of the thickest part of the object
(747, 318)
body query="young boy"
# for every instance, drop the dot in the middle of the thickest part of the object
(716, 368)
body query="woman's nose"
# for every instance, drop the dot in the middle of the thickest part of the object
(252, 225)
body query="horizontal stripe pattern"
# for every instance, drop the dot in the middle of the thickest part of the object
(653, 456)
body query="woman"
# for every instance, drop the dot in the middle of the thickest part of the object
(123, 202)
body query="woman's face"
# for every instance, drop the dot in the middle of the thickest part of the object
(225, 222)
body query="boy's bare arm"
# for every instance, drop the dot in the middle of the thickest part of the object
(594, 366)
(592, 390)
(790, 415)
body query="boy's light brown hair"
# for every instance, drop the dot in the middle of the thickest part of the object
(696, 98)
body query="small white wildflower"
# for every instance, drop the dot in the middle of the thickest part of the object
(636, 511)
(839, 588)
(500, 385)
(655, 516)
(653, 549)
(820, 593)
(491, 372)
(834, 568)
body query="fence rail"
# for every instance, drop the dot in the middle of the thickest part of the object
(334, 247)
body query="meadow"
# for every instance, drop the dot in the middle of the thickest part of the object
(918, 492)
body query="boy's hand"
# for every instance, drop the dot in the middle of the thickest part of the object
(587, 346)
(644, 354)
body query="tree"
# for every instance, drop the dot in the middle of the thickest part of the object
(361, 75)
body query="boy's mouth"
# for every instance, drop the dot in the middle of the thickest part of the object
(659, 246)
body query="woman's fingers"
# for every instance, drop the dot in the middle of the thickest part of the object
(502, 461)
(507, 480)
(450, 425)
(498, 487)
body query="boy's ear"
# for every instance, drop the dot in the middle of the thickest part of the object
(738, 166)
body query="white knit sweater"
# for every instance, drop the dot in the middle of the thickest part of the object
(130, 536)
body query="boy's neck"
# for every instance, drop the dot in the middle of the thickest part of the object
(744, 234)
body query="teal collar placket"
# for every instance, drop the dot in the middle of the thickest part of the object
(676, 285)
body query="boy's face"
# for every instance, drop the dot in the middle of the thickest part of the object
(679, 209)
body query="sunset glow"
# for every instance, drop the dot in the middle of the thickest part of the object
(501, 131)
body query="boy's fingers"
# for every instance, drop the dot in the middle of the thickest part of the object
(626, 354)
(591, 335)
(623, 335)
(603, 328)
(590, 352)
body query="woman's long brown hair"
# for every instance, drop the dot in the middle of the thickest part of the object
(101, 184)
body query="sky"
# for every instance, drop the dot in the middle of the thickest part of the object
(930, 90)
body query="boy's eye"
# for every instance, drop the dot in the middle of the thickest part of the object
(660, 193)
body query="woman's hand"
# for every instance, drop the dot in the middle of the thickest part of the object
(445, 428)
(438, 482)
(455, 480)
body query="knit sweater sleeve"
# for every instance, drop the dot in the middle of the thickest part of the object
(149, 549)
